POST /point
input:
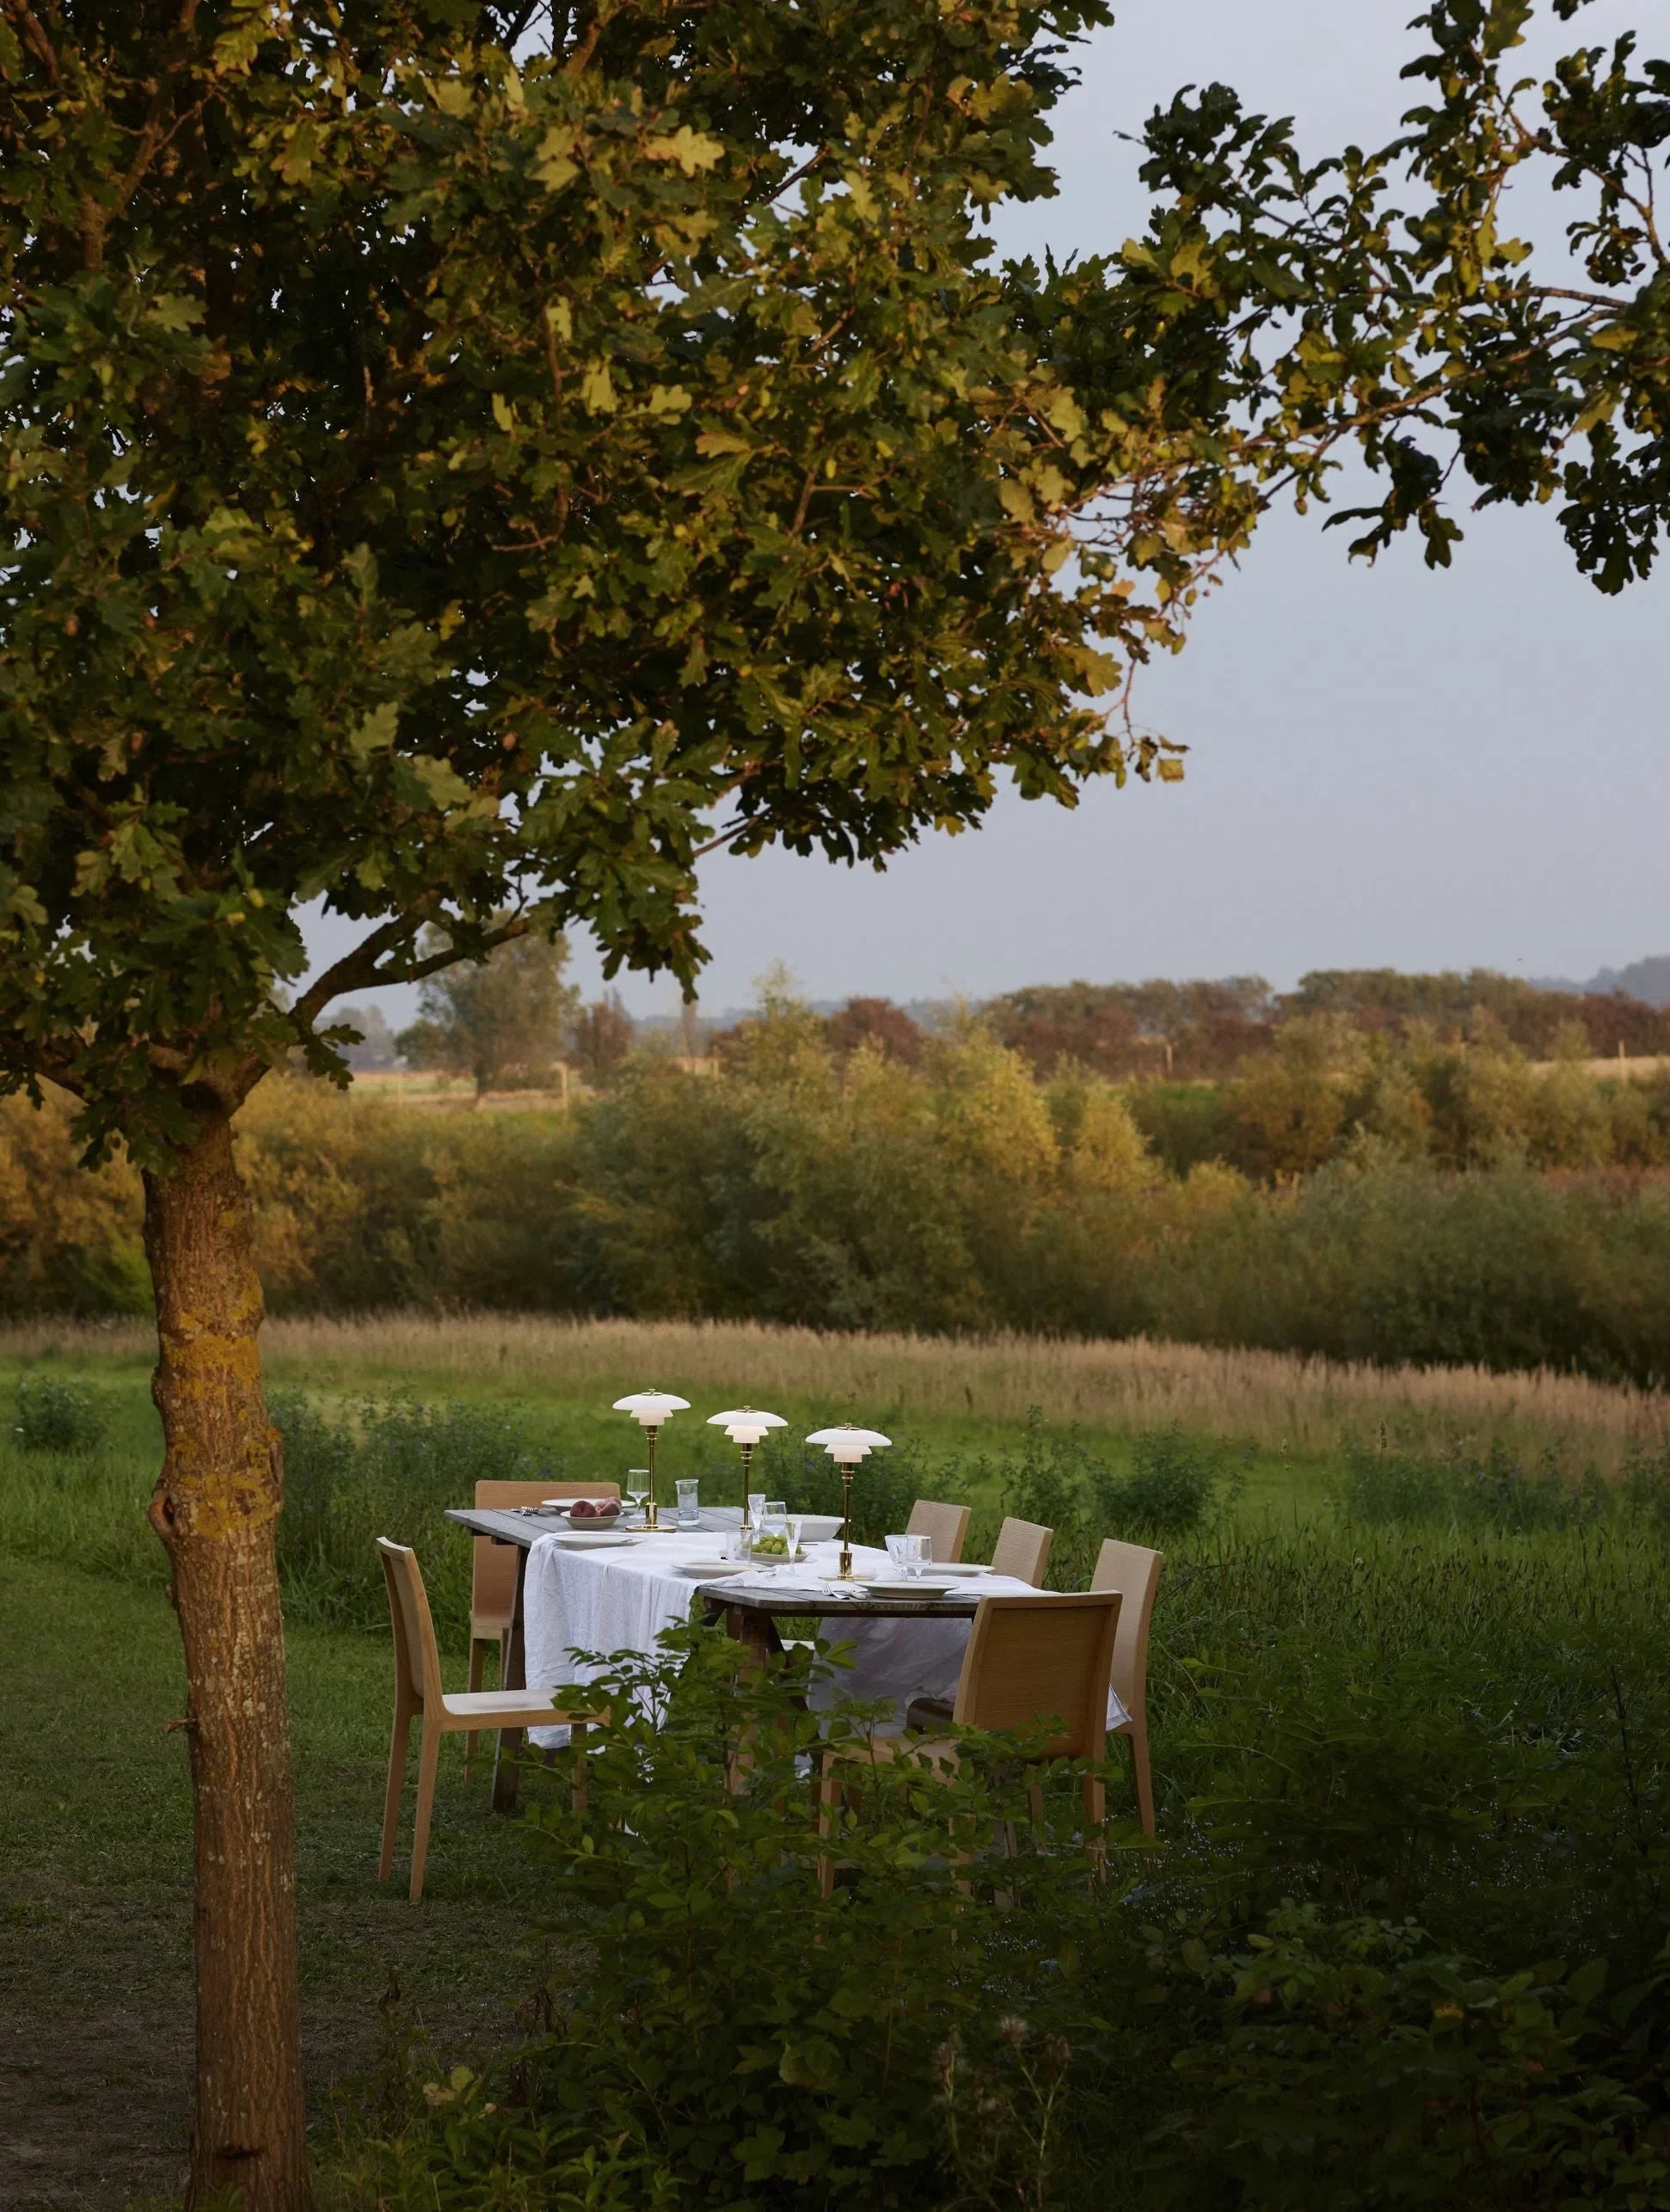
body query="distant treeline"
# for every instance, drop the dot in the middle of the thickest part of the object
(1360, 1195)
(1125, 1030)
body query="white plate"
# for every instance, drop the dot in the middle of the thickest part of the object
(709, 1570)
(902, 1589)
(592, 1540)
(960, 1567)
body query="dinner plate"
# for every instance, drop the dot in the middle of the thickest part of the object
(963, 1569)
(709, 1570)
(592, 1540)
(901, 1590)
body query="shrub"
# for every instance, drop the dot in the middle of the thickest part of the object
(1172, 1485)
(56, 1415)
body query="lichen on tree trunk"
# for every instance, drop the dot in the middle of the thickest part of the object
(216, 1508)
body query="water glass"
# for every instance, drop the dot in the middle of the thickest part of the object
(689, 1515)
(916, 1552)
(896, 1551)
(737, 1550)
(637, 1487)
(756, 1508)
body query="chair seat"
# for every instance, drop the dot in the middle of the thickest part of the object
(488, 1627)
(879, 1750)
(928, 1712)
(481, 1708)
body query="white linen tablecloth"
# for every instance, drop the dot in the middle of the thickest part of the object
(618, 1598)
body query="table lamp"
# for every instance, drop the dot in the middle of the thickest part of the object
(846, 1447)
(650, 1409)
(745, 1426)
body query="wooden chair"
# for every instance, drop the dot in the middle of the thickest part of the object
(1028, 1659)
(1135, 1574)
(946, 1527)
(1023, 1549)
(418, 1694)
(493, 1573)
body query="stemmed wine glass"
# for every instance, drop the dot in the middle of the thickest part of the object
(637, 1487)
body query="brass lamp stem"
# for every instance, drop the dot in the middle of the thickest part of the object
(747, 1452)
(651, 1516)
(846, 1521)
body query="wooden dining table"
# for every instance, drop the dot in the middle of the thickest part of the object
(751, 1615)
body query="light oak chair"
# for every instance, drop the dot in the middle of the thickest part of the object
(493, 1573)
(1023, 1549)
(946, 1527)
(1135, 1574)
(419, 1695)
(1029, 1660)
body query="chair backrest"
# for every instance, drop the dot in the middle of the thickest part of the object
(493, 1569)
(417, 1662)
(946, 1527)
(1032, 1658)
(1135, 1573)
(1023, 1549)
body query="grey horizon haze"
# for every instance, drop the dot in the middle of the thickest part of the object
(1387, 766)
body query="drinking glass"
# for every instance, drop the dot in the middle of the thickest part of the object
(637, 1488)
(896, 1552)
(737, 1548)
(756, 1508)
(776, 1509)
(916, 1552)
(689, 1511)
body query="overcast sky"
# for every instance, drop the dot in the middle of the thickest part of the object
(1385, 766)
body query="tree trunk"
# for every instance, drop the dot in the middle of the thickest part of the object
(215, 1508)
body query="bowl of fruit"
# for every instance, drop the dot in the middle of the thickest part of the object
(771, 1547)
(594, 1512)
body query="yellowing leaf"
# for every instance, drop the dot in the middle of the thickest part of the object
(377, 730)
(502, 414)
(553, 166)
(560, 316)
(693, 151)
(1017, 501)
(597, 389)
(668, 399)
(1065, 414)
(712, 442)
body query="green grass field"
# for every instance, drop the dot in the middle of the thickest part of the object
(95, 1881)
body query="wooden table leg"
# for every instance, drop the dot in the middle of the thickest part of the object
(755, 1632)
(506, 1778)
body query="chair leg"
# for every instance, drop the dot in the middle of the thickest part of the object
(1095, 1822)
(428, 1761)
(478, 1668)
(1138, 1735)
(398, 1749)
(577, 1784)
(829, 1796)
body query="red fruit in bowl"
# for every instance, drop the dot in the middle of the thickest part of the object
(594, 1509)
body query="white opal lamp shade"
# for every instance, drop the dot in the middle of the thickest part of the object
(745, 1424)
(847, 1445)
(650, 1408)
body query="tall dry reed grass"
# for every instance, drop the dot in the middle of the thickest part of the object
(1271, 1399)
